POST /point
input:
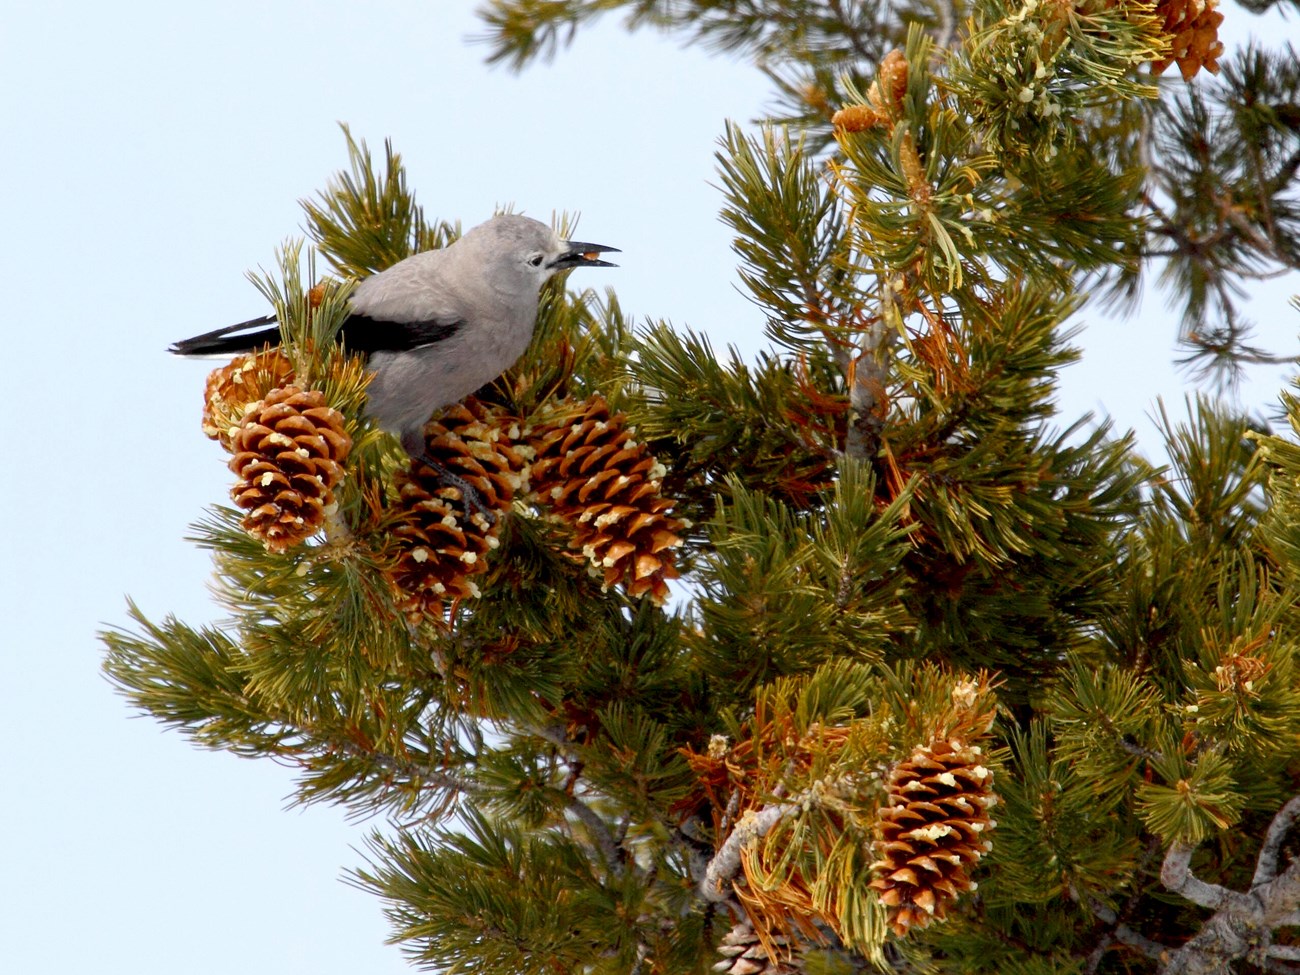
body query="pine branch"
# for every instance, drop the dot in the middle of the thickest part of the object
(716, 886)
(520, 31)
(1133, 748)
(1242, 924)
(1266, 867)
(427, 774)
(697, 849)
(1118, 920)
(600, 832)
(1124, 935)
(1176, 874)
(869, 374)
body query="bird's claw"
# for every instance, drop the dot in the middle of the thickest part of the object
(469, 495)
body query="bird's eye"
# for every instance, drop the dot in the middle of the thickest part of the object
(535, 260)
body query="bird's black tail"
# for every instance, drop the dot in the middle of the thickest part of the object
(243, 337)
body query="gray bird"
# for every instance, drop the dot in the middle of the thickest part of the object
(439, 324)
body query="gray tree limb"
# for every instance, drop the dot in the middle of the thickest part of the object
(1266, 865)
(716, 885)
(1242, 925)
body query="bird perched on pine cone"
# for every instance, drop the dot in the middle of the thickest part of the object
(439, 324)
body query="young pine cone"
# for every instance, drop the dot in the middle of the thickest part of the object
(930, 833)
(604, 484)
(289, 452)
(442, 539)
(884, 97)
(858, 118)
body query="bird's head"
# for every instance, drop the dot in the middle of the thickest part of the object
(525, 252)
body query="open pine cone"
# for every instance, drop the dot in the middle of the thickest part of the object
(289, 452)
(232, 390)
(442, 542)
(592, 473)
(1194, 27)
(931, 832)
(743, 953)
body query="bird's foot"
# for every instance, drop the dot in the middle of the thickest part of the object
(469, 495)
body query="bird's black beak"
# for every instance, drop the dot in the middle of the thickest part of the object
(583, 255)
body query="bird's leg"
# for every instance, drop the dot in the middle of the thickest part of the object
(468, 493)
(418, 449)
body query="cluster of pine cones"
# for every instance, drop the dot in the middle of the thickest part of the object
(578, 462)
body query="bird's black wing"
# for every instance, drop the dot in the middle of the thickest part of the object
(361, 333)
(242, 337)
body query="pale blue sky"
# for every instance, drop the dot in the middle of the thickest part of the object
(155, 152)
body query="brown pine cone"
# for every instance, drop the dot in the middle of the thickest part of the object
(931, 832)
(592, 473)
(1194, 27)
(442, 539)
(233, 389)
(288, 455)
(744, 954)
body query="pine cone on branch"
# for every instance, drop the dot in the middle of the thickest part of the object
(931, 832)
(743, 953)
(233, 390)
(289, 452)
(884, 98)
(858, 118)
(1193, 26)
(442, 540)
(591, 472)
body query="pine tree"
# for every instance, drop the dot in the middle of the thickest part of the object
(854, 656)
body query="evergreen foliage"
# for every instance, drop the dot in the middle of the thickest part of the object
(910, 593)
